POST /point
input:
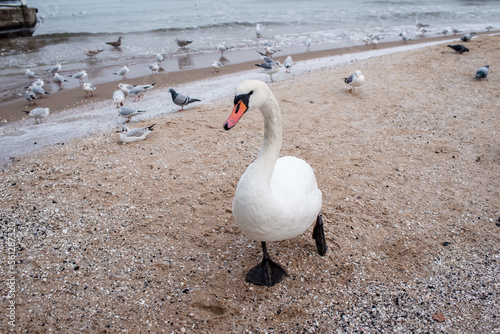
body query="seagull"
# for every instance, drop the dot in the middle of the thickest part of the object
(54, 69)
(125, 88)
(38, 113)
(269, 66)
(159, 57)
(444, 32)
(467, 37)
(270, 50)
(420, 25)
(366, 39)
(123, 72)
(308, 44)
(216, 65)
(459, 48)
(375, 42)
(355, 80)
(180, 99)
(258, 30)
(482, 72)
(128, 113)
(80, 76)
(422, 31)
(88, 87)
(404, 37)
(92, 53)
(154, 68)
(139, 91)
(489, 27)
(182, 43)
(39, 82)
(30, 96)
(455, 31)
(222, 47)
(59, 79)
(288, 64)
(116, 43)
(118, 97)
(131, 135)
(30, 74)
(38, 90)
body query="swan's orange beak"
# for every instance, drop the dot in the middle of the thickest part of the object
(239, 109)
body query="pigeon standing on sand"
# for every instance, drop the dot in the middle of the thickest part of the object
(54, 69)
(59, 79)
(30, 96)
(92, 53)
(467, 37)
(482, 72)
(80, 76)
(89, 88)
(38, 113)
(288, 64)
(459, 48)
(182, 43)
(180, 99)
(30, 74)
(216, 65)
(128, 112)
(123, 72)
(132, 135)
(118, 97)
(355, 80)
(116, 43)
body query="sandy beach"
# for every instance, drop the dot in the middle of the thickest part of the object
(140, 238)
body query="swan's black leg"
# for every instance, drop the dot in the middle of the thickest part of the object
(268, 272)
(319, 236)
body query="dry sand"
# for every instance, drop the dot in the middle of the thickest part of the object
(140, 237)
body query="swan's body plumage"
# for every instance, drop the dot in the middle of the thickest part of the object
(276, 198)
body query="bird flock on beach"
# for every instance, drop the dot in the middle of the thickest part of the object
(268, 66)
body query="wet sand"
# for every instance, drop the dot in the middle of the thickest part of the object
(174, 73)
(140, 237)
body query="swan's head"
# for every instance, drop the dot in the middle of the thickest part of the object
(250, 94)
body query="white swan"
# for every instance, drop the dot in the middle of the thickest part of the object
(276, 198)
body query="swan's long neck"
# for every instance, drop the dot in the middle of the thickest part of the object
(272, 137)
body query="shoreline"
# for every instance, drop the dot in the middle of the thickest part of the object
(239, 61)
(141, 237)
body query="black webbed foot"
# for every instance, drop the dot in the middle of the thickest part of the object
(266, 273)
(319, 236)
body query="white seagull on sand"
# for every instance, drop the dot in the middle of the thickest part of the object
(38, 113)
(138, 91)
(125, 88)
(128, 112)
(89, 88)
(80, 76)
(92, 53)
(54, 69)
(131, 135)
(355, 80)
(154, 68)
(118, 97)
(216, 65)
(38, 90)
(39, 82)
(59, 79)
(30, 74)
(159, 58)
(269, 66)
(123, 72)
(30, 96)
(288, 64)
(258, 30)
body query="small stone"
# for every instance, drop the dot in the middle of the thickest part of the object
(446, 243)
(438, 316)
